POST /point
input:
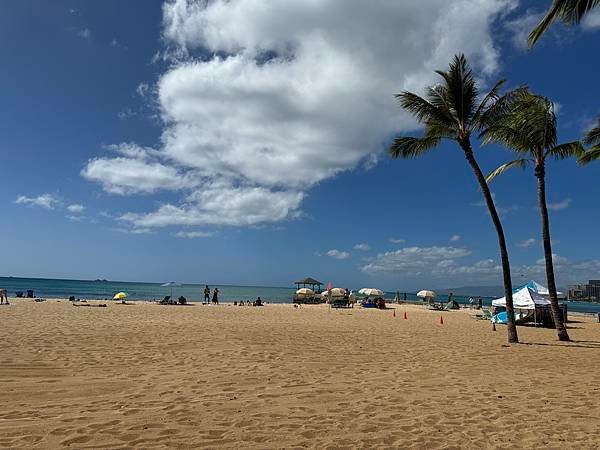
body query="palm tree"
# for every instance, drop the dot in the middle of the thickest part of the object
(530, 130)
(592, 138)
(452, 110)
(569, 11)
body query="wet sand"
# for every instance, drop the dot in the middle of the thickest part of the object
(152, 376)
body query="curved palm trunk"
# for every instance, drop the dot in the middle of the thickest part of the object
(510, 312)
(540, 173)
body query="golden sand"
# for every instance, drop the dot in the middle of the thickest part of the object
(152, 376)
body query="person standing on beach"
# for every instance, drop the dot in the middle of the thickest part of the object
(207, 294)
(3, 296)
(471, 302)
(215, 298)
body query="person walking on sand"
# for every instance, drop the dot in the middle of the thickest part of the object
(206, 294)
(215, 298)
(3, 296)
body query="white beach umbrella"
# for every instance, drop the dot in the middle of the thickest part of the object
(305, 292)
(426, 294)
(371, 292)
(338, 292)
(171, 284)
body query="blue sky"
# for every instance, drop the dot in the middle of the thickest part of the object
(240, 144)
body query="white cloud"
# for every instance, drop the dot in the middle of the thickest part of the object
(129, 175)
(223, 204)
(415, 261)
(559, 205)
(455, 238)
(193, 234)
(397, 241)
(134, 230)
(565, 270)
(592, 20)
(75, 218)
(520, 28)
(76, 208)
(300, 92)
(85, 34)
(338, 254)
(142, 89)
(501, 209)
(47, 201)
(526, 243)
(126, 114)
(363, 247)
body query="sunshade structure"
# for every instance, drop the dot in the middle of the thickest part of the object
(309, 282)
(426, 294)
(305, 292)
(524, 298)
(334, 292)
(539, 289)
(371, 292)
(120, 296)
(171, 284)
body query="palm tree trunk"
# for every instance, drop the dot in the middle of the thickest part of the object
(510, 312)
(540, 173)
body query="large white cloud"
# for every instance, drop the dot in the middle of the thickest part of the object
(297, 92)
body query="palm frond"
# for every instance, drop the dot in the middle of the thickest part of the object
(570, 12)
(491, 97)
(522, 163)
(592, 137)
(412, 147)
(527, 123)
(566, 150)
(461, 90)
(422, 109)
(501, 107)
(592, 154)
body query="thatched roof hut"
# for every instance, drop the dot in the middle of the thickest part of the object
(308, 281)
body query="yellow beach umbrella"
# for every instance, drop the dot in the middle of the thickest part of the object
(120, 296)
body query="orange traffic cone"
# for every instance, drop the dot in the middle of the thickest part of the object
(493, 326)
(441, 320)
(405, 316)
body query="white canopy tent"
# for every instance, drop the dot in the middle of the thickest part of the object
(542, 290)
(524, 298)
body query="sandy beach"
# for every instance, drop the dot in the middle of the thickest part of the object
(152, 376)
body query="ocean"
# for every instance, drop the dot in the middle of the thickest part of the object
(104, 290)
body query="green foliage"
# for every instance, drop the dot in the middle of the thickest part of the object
(450, 110)
(522, 163)
(528, 125)
(592, 138)
(570, 12)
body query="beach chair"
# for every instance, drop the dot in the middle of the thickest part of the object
(340, 303)
(19, 294)
(165, 301)
(486, 315)
(30, 293)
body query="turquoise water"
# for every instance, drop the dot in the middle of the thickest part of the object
(100, 290)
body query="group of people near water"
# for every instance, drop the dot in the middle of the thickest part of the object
(215, 298)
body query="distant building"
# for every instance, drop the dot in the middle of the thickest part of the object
(590, 291)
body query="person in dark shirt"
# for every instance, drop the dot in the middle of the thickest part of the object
(206, 294)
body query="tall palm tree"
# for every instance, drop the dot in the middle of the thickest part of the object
(569, 11)
(452, 110)
(592, 138)
(530, 130)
